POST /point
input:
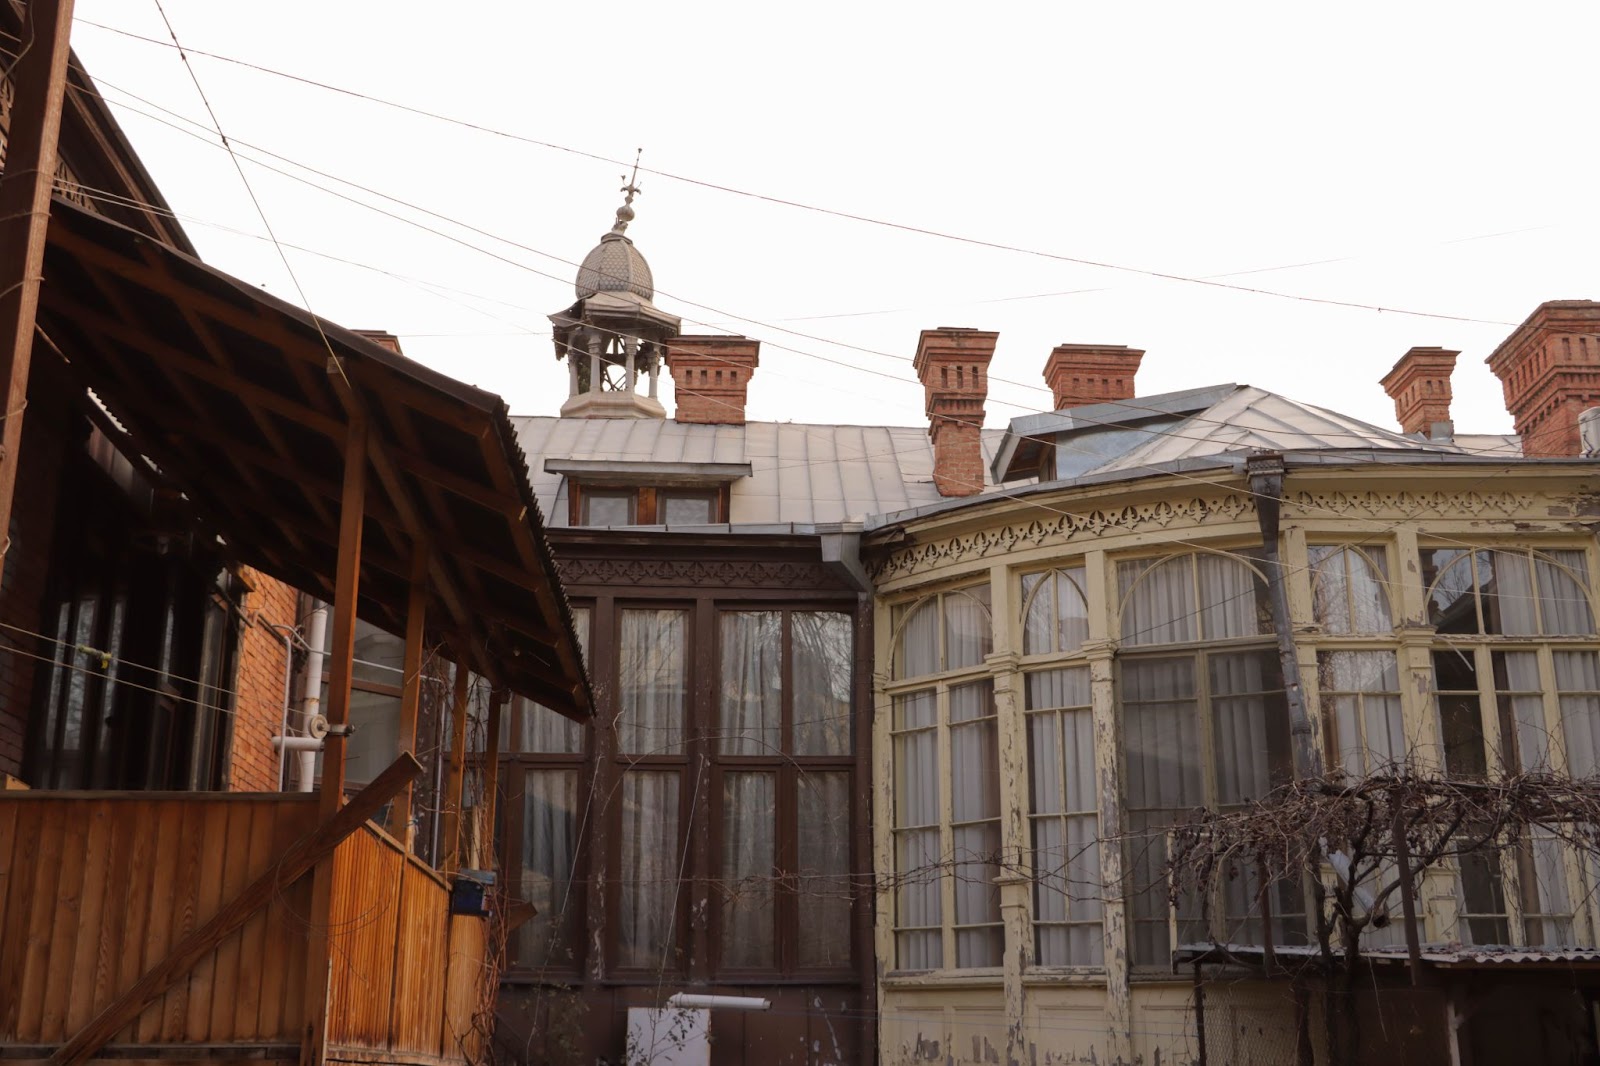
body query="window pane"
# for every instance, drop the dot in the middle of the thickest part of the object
(651, 682)
(549, 845)
(918, 650)
(823, 882)
(651, 860)
(1058, 614)
(379, 656)
(1232, 599)
(822, 646)
(748, 866)
(1460, 716)
(1361, 702)
(1483, 898)
(919, 944)
(967, 636)
(977, 851)
(1158, 601)
(1546, 904)
(1349, 590)
(1521, 705)
(1250, 720)
(1505, 588)
(752, 683)
(1563, 604)
(686, 508)
(608, 507)
(1578, 682)
(1452, 604)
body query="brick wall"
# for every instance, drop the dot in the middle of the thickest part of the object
(258, 707)
(27, 563)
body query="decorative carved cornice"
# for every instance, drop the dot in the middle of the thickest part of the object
(697, 573)
(1062, 529)
(1415, 504)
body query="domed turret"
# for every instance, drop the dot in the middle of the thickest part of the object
(613, 338)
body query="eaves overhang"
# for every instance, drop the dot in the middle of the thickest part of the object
(623, 472)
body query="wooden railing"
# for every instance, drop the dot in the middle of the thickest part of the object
(406, 974)
(96, 888)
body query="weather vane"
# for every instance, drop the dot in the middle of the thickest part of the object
(632, 188)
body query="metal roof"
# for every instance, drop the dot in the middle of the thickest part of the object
(800, 473)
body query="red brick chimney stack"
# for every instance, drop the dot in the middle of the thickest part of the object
(1550, 370)
(383, 337)
(1419, 385)
(710, 375)
(1081, 374)
(953, 365)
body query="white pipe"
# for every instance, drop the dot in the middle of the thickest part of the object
(288, 678)
(311, 683)
(691, 1001)
(300, 744)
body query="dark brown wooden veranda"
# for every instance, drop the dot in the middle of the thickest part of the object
(148, 920)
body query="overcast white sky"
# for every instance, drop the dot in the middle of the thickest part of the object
(1426, 157)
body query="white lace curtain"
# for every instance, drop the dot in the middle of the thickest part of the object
(749, 863)
(651, 682)
(752, 683)
(549, 841)
(652, 856)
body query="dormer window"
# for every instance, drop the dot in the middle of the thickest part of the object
(603, 493)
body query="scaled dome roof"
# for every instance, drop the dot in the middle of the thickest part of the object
(615, 265)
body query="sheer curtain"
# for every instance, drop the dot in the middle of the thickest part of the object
(822, 669)
(824, 883)
(652, 854)
(1158, 601)
(1348, 590)
(967, 635)
(752, 683)
(1361, 698)
(975, 820)
(1057, 617)
(918, 652)
(1563, 604)
(549, 835)
(1250, 725)
(1521, 706)
(1506, 585)
(919, 910)
(1066, 860)
(1578, 682)
(749, 861)
(651, 682)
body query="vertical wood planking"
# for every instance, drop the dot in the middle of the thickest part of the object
(253, 935)
(236, 876)
(30, 1003)
(164, 905)
(420, 963)
(139, 915)
(18, 911)
(64, 924)
(464, 987)
(195, 883)
(130, 847)
(79, 979)
(10, 832)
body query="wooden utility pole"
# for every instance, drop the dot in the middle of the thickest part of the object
(39, 78)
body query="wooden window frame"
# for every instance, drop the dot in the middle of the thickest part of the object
(647, 499)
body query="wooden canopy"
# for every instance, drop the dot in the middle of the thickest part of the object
(245, 403)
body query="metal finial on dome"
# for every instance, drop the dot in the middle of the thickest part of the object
(625, 212)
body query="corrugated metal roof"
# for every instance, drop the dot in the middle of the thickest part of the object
(800, 473)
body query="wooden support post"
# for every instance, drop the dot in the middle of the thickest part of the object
(346, 587)
(400, 815)
(300, 857)
(40, 77)
(491, 774)
(458, 754)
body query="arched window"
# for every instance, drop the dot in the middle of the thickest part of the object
(1507, 593)
(1204, 723)
(946, 823)
(1055, 611)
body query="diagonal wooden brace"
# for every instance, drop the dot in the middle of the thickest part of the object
(300, 858)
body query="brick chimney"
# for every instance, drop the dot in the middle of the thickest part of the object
(1550, 370)
(378, 336)
(953, 365)
(1419, 385)
(710, 375)
(1081, 374)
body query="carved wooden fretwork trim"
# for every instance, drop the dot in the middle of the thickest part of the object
(1061, 529)
(709, 573)
(1414, 504)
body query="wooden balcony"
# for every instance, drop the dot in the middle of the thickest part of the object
(97, 889)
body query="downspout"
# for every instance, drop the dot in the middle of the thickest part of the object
(311, 683)
(1266, 471)
(287, 634)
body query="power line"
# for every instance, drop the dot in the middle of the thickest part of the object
(1210, 281)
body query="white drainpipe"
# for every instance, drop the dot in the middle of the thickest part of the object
(311, 682)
